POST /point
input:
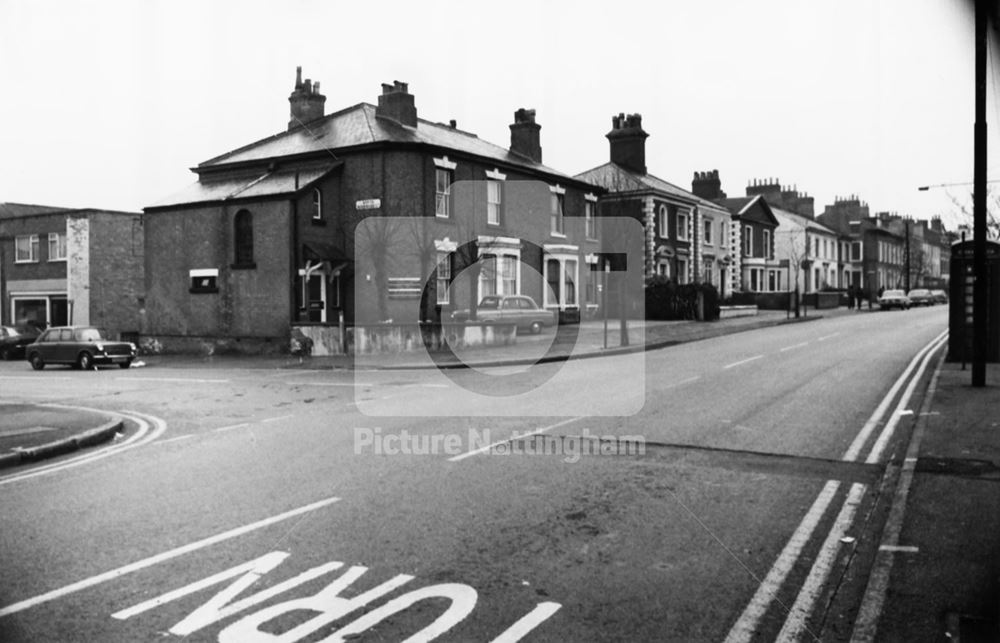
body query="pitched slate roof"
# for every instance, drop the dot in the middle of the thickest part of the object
(616, 178)
(15, 210)
(357, 126)
(745, 207)
(785, 217)
(248, 185)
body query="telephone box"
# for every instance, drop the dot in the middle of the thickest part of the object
(963, 281)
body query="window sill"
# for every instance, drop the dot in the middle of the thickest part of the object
(558, 235)
(243, 266)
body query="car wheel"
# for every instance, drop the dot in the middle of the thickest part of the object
(125, 364)
(85, 361)
(535, 328)
(37, 362)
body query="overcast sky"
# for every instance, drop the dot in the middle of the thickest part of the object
(108, 103)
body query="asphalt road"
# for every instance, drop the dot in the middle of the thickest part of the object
(297, 505)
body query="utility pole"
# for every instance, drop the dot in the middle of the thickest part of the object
(979, 292)
(906, 222)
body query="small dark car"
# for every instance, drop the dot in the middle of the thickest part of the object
(13, 340)
(519, 309)
(81, 346)
(921, 297)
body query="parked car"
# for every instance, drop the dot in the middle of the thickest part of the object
(894, 299)
(13, 340)
(519, 309)
(82, 346)
(940, 296)
(920, 297)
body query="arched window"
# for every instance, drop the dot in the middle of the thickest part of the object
(243, 238)
(317, 205)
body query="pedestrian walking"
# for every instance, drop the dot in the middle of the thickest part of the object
(850, 297)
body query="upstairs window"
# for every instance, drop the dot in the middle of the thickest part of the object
(26, 248)
(708, 232)
(57, 246)
(767, 244)
(442, 204)
(748, 242)
(243, 239)
(589, 213)
(682, 226)
(663, 222)
(317, 206)
(558, 210)
(494, 202)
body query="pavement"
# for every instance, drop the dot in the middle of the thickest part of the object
(942, 570)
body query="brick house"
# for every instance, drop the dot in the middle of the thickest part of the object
(63, 266)
(302, 229)
(687, 236)
(754, 226)
(877, 254)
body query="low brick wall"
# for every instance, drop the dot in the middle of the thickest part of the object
(726, 312)
(401, 338)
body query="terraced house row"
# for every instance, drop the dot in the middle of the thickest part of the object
(372, 213)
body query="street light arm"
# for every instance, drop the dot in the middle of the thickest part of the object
(924, 188)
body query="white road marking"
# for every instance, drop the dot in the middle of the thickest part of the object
(795, 624)
(231, 427)
(906, 549)
(159, 558)
(490, 447)
(528, 622)
(746, 625)
(890, 427)
(866, 622)
(859, 441)
(183, 380)
(793, 346)
(277, 419)
(826, 337)
(743, 361)
(140, 438)
(683, 382)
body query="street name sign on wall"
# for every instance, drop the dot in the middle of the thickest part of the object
(368, 204)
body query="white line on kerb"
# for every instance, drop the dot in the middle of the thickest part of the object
(876, 417)
(906, 549)
(746, 625)
(793, 346)
(743, 361)
(159, 558)
(489, 447)
(795, 624)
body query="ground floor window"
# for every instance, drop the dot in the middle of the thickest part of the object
(773, 280)
(682, 271)
(499, 275)
(663, 269)
(561, 276)
(40, 310)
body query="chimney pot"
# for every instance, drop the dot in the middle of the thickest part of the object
(628, 142)
(524, 135)
(306, 103)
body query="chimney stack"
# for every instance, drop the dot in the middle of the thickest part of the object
(307, 104)
(707, 185)
(396, 103)
(524, 135)
(628, 142)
